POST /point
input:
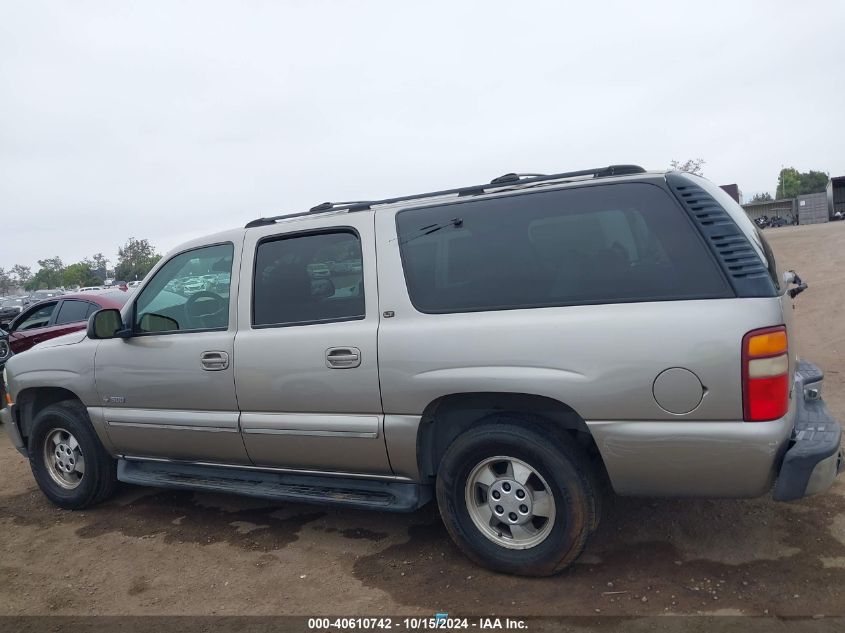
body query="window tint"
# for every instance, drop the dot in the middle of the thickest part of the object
(597, 244)
(37, 317)
(190, 292)
(308, 279)
(72, 311)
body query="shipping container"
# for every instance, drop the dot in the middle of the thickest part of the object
(836, 196)
(812, 208)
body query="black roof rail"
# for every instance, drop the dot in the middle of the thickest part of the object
(328, 206)
(505, 179)
(474, 190)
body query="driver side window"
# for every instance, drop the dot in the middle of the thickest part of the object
(189, 293)
(37, 317)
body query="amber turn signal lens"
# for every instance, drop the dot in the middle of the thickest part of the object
(767, 344)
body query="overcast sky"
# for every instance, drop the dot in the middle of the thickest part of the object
(167, 120)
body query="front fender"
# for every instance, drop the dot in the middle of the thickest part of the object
(69, 367)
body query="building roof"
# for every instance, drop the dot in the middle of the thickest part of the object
(763, 202)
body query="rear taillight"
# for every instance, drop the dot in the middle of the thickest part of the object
(765, 374)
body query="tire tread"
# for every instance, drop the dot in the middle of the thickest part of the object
(537, 433)
(104, 466)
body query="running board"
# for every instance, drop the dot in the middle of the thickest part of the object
(361, 493)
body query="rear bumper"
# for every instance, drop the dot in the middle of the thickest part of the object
(692, 458)
(814, 457)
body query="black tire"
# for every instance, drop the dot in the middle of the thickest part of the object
(99, 480)
(569, 476)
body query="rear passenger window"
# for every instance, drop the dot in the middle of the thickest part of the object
(304, 279)
(72, 311)
(598, 244)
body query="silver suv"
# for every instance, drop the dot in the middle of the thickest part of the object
(508, 348)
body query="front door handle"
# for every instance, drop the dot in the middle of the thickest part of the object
(214, 361)
(343, 357)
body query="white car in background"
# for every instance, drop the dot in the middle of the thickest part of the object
(194, 285)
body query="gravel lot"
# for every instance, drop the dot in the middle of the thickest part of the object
(161, 552)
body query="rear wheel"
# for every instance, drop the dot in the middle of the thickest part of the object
(516, 497)
(67, 459)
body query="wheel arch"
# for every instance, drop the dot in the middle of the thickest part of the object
(32, 400)
(446, 417)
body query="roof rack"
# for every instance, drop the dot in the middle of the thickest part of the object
(474, 190)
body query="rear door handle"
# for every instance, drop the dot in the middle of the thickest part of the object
(343, 357)
(214, 361)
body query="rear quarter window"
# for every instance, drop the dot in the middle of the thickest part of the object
(613, 243)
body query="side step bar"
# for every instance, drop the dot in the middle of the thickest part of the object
(361, 493)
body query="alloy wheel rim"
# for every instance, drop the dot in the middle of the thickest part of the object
(63, 458)
(510, 502)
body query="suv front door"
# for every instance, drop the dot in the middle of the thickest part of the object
(168, 390)
(306, 366)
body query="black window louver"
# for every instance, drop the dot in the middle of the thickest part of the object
(748, 275)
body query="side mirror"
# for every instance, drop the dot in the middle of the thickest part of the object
(106, 323)
(791, 277)
(157, 323)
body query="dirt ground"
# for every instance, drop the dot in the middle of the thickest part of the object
(162, 552)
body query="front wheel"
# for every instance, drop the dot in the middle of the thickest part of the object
(516, 497)
(67, 459)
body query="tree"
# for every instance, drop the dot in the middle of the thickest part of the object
(99, 266)
(762, 197)
(691, 166)
(21, 275)
(49, 274)
(135, 259)
(99, 261)
(79, 274)
(792, 182)
(814, 182)
(6, 282)
(789, 182)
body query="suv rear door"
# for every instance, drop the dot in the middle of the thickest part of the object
(72, 315)
(306, 369)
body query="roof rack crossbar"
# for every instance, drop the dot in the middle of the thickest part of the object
(501, 181)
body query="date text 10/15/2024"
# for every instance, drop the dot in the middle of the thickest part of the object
(437, 621)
